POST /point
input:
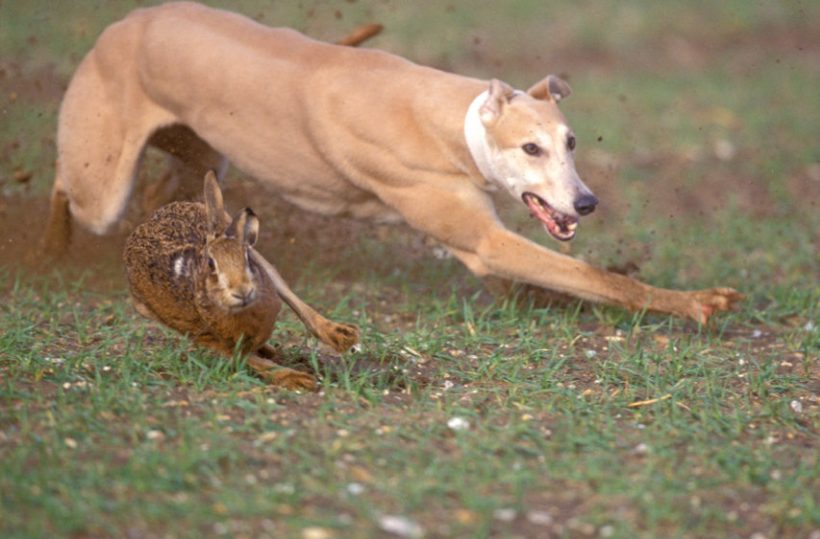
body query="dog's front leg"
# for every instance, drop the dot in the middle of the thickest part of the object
(503, 253)
(464, 220)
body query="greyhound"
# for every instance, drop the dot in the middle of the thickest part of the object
(339, 131)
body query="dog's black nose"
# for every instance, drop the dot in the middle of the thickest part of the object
(586, 204)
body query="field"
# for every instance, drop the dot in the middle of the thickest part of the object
(463, 414)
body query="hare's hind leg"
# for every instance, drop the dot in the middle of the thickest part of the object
(281, 376)
(143, 310)
(266, 369)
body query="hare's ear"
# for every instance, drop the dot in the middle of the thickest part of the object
(245, 227)
(214, 206)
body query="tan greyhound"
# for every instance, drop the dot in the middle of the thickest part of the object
(340, 131)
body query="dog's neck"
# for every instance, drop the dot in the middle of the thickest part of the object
(476, 137)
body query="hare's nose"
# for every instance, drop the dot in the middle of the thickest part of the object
(244, 296)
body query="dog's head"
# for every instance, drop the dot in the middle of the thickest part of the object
(521, 142)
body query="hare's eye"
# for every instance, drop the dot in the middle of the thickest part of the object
(211, 264)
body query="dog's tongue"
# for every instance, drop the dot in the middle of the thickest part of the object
(560, 226)
(539, 212)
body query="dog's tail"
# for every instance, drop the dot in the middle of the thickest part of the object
(361, 34)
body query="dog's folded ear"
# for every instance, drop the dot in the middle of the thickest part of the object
(551, 87)
(499, 94)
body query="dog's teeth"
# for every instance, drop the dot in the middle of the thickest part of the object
(572, 226)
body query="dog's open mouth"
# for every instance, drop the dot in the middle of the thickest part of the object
(560, 225)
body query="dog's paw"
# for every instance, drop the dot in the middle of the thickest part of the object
(290, 379)
(707, 302)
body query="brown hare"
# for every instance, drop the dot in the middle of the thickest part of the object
(193, 269)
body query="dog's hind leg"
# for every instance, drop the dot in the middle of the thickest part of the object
(57, 234)
(189, 158)
(100, 140)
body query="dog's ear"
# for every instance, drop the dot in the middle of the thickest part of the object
(550, 88)
(498, 96)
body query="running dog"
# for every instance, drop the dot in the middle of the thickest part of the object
(339, 131)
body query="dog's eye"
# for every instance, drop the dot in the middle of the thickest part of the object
(571, 143)
(531, 148)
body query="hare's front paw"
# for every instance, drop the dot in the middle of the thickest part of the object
(341, 336)
(290, 379)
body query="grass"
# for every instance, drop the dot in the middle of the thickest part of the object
(580, 420)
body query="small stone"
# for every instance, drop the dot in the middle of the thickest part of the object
(796, 406)
(504, 514)
(354, 489)
(539, 518)
(401, 526)
(314, 532)
(641, 449)
(724, 149)
(458, 423)
(465, 517)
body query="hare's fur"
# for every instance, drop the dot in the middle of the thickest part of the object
(190, 268)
